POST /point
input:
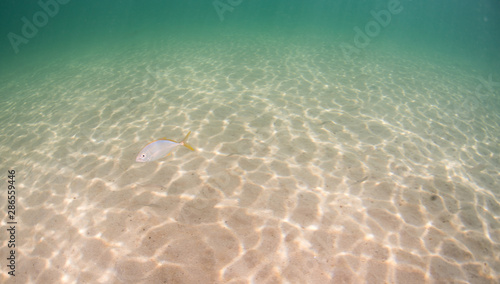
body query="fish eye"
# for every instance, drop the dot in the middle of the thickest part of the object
(143, 155)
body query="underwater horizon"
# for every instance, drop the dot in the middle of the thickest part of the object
(334, 141)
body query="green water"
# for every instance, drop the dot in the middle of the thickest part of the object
(465, 30)
(465, 33)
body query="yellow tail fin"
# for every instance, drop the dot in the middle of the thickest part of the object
(185, 144)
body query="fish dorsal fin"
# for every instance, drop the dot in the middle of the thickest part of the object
(165, 139)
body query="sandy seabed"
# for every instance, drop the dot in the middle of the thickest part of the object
(309, 168)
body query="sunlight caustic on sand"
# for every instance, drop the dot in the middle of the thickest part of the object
(307, 169)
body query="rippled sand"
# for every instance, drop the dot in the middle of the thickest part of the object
(308, 168)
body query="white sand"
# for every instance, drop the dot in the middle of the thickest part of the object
(308, 169)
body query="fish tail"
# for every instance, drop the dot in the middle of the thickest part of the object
(185, 144)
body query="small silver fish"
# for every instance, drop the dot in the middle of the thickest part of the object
(160, 148)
